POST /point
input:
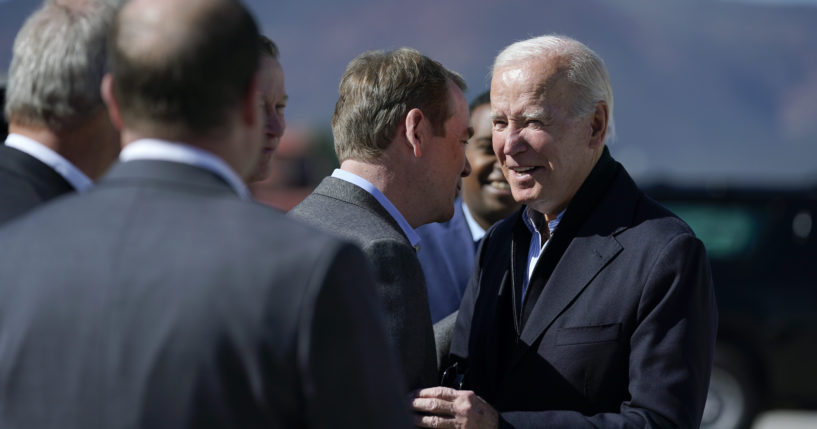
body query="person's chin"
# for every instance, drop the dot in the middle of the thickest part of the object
(447, 215)
(525, 195)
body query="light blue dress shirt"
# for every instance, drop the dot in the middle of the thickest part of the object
(447, 253)
(533, 221)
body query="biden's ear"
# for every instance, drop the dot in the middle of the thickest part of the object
(598, 124)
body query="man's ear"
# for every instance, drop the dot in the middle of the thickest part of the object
(598, 124)
(106, 90)
(416, 124)
(251, 104)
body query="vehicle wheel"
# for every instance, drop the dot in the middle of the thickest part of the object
(731, 402)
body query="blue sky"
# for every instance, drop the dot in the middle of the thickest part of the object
(707, 91)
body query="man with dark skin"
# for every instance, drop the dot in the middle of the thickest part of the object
(485, 191)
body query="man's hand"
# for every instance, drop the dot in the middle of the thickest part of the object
(442, 407)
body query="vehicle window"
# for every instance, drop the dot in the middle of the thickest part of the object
(728, 232)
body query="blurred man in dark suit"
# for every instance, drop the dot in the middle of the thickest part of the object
(60, 137)
(400, 126)
(163, 298)
(592, 306)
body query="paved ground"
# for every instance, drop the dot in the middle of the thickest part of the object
(784, 419)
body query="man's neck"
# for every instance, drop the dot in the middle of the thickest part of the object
(391, 183)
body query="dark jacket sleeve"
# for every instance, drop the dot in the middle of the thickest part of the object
(351, 375)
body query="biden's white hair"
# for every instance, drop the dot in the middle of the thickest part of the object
(585, 70)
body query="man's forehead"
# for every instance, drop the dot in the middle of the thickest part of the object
(534, 75)
(534, 95)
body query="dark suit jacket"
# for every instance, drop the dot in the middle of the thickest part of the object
(347, 210)
(25, 182)
(160, 300)
(622, 330)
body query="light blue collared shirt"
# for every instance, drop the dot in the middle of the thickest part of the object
(154, 149)
(44, 154)
(477, 232)
(364, 184)
(536, 246)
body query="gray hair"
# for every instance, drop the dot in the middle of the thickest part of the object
(58, 63)
(585, 70)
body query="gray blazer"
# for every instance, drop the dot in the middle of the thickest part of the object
(160, 300)
(350, 212)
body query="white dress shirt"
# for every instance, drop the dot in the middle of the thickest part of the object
(44, 154)
(477, 232)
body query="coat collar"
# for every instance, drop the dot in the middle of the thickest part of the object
(339, 189)
(49, 183)
(164, 173)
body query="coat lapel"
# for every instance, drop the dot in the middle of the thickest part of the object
(49, 183)
(166, 173)
(603, 208)
(493, 341)
(583, 260)
(342, 190)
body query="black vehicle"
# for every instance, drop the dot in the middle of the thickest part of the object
(762, 245)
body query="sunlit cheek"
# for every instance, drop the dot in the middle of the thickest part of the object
(500, 157)
(507, 173)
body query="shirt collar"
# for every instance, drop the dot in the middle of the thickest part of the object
(79, 180)
(367, 186)
(154, 149)
(477, 232)
(534, 220)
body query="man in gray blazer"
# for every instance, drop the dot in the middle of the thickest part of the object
(400, 126)
(164, 297)
(60, 137)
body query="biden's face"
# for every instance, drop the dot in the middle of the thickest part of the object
(545, 150)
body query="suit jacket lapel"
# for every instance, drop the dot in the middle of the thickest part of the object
(582, 261)
(520, 245)
(588, 241)
(492, 311)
